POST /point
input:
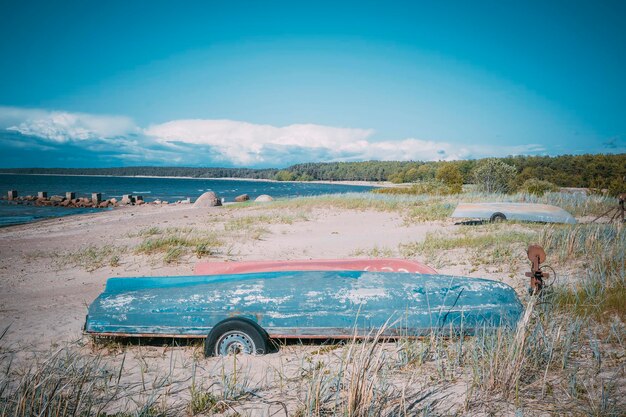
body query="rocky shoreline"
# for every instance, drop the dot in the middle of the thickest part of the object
(86, 202)
(71, 201)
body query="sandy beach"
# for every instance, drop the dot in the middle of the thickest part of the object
(48, 275)
(51, 270)
(44, 293)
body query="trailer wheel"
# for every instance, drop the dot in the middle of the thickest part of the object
(239, 336)
(497, 217)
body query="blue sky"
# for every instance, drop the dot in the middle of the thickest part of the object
(251, 83)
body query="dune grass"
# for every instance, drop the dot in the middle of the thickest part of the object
(173, 243)
(245, 222)
(349, 201)
(431, 210)
(254, 226)
(374, 252)
(64, 383)
(91, 257)
(487, 245)
(423, 207)
(600, 249)
(466, 239)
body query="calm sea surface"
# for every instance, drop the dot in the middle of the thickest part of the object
(168, 189)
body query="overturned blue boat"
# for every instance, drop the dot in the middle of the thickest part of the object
(239, 312)
(528, 212)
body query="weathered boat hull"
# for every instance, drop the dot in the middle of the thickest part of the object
(302, 304)
(514, 211)
(372, 265)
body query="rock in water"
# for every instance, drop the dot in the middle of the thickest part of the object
(241, 198)
(264, 198)
(208, 199)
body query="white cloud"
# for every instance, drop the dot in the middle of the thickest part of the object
(62, 126)
(206, 142)
(400, 150)
(247, 144)
(244, 143)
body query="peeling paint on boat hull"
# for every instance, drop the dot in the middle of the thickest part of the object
(302, 304)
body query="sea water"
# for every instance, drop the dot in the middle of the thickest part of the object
(164, 189)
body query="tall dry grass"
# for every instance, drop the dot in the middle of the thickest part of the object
(360, 381)
(64, 383)
(424, 207)
(600, 251)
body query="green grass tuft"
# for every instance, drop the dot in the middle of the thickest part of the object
(175, 243)
(429, 211)
(92, 257)
(202, 402)
(496, 240)
(245, 223)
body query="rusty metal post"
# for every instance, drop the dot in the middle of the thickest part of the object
(537, 256)
(12, 195)
(96, 198)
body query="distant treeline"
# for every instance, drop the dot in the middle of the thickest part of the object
(595, 171)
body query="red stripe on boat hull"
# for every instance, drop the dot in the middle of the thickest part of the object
(372, 265)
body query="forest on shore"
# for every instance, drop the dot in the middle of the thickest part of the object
(596, 171)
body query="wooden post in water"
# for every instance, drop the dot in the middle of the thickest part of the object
(12, 195)
(96, 198)
(42, 194)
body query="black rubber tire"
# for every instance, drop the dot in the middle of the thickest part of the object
(497, 217)
(237, 324)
